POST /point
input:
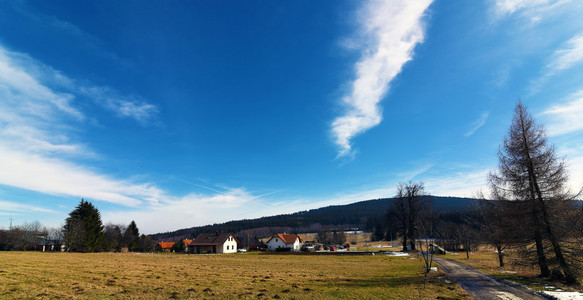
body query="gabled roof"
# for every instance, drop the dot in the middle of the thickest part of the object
(166, 245)
(287, 238)
(187, 242)
(212, 239)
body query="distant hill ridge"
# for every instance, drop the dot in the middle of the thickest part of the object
(363, 215)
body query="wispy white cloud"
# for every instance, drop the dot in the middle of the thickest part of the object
(477, 124)
(459, 184)
(123, 106)
(39, 120)
(390, 30)
(411, 175)
(37, 89)
(568, 56)
(58, 177)
(8, 207)
(566, 117)
(21, 88)
(534, 10)
(562, 59)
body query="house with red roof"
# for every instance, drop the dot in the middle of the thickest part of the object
(164, 246)
(214, 243)
(282, 240)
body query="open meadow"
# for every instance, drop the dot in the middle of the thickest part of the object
(249, 275)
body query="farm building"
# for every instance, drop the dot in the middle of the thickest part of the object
(214, 243)
(283, 241)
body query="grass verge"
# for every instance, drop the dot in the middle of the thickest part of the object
(487, 261)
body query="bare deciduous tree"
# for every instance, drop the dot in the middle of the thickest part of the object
(493, 220)
(406, 211)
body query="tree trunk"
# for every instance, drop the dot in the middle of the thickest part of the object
(540, 252)
(547, 225)
(569, 276)
(500, 256)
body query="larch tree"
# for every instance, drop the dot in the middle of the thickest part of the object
(529, 170)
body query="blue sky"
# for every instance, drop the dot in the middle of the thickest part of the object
(184, 113)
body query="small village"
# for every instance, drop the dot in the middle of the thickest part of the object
(224, 243)
(330, 149)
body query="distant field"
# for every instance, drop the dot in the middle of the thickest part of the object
(108, 275)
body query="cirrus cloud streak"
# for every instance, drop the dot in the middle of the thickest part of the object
(390, 30)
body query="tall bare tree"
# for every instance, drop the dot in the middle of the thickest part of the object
(406, 211)
(529, 170)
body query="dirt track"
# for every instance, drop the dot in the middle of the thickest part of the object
(482, 286)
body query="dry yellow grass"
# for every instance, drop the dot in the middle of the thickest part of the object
(487, 260)
(115, 275)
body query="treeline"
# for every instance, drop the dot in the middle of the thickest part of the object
(30, 236)
(364, 215)
(83, 232)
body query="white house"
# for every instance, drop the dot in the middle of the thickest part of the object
(214, 243)
(282, 240)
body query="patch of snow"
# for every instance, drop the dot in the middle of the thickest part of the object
(506, 296)
(397, 254)
(433, 269)
(447, 281)
(565, 295)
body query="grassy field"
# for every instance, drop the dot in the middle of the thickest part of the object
(128, 275)
(487, 261)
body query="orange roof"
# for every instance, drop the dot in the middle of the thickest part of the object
(166, 245)
(187, 242)
(288, 238)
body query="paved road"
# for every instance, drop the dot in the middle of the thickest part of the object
(482, 286)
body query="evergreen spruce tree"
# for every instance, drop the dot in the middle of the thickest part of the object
(179, 247)
(132, 236)
(83, 230)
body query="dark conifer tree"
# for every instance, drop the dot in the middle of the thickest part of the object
(132, 236)
(179, 247)
(83, 230)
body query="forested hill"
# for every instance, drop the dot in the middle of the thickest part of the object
(363, 215)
